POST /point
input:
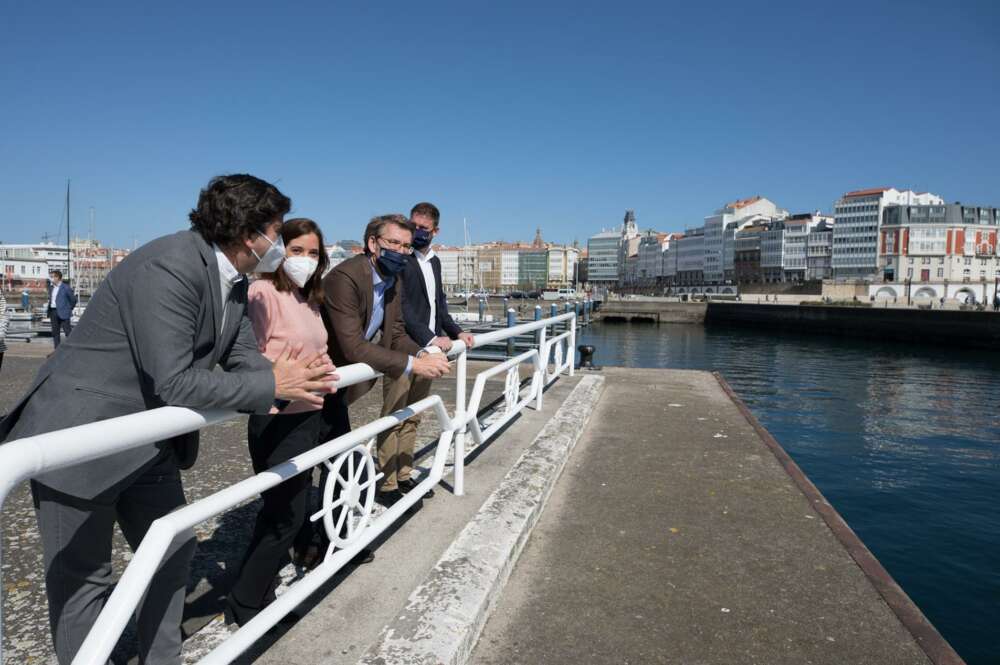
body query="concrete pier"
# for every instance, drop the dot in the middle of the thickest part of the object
(682, 533)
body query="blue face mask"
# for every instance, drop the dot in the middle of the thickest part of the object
(421, 238)
(390, 262)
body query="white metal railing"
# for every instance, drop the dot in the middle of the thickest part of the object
(350, 453)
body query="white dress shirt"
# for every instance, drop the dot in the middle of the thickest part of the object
(229, 276)
(55, 292)
(424, 261)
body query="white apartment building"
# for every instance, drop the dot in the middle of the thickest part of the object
(772, 252)
(857, 217)
(458, 267)
(819, 250)
(794, 256)
(562, 264)
(509, 268)
(602, 257)
(720, 234)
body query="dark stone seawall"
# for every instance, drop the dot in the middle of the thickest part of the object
(964, 328)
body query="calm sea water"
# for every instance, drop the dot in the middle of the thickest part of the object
(903, 440)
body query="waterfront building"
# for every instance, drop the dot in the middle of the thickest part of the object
(583, 268)
(563, 266)
(28, 265)
(928, 247)
(21, 268)
(338, 254)
(650, 256)
(772, 251)
(857, 217)
(746, 256)
(720, 234)
(533, 269)
(628, 246)
(670, 252)
(691, 258)
(602, 258)
(819, 250)
(794, 259)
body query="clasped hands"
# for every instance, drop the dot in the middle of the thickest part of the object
(303, 377)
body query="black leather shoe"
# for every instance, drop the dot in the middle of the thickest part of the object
(405, 486)
(392, 497)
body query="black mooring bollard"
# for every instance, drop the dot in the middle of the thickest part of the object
(586, 356)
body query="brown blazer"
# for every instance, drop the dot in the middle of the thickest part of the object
(348, 297)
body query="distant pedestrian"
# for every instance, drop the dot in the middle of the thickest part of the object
(62, 300)
(4, 318)
(25, 300)
(996, 302)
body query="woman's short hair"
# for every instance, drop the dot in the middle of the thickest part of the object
(234, 207)
(313, 290)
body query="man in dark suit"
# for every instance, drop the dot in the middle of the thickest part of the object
(151, 336)
(62, 300)
(428, 323)
(363, 314)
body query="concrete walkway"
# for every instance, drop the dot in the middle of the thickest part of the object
(675, 536)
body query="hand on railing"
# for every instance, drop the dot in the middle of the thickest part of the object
(442, 342)
(430, 365)
(304, 378)
(468, 339)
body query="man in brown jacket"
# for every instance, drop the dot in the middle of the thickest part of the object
(363, 315)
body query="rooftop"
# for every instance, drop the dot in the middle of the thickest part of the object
(867, 192)
(742, 203)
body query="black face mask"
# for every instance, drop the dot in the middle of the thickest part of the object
(421, 238)
(390, 262)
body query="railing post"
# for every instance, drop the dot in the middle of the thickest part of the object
(462, 418)
(538, 317)
(482, 310)
(571, 351)
(511, 322)
(567, 308)
(542, 367)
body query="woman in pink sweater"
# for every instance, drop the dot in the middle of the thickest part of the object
(284, 307)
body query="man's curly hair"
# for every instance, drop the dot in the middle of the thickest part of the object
(234, 207)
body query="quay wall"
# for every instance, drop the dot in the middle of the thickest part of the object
(964, 328)
(658, 311)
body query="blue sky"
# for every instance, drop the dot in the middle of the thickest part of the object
(513, 115)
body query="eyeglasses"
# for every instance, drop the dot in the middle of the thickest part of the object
(403, 247)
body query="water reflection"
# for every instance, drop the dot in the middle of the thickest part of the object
(902, 439)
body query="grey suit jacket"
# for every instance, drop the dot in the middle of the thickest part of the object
(149, 337)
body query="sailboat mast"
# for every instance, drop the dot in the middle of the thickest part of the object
(69, 251)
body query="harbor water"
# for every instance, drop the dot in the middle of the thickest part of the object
(903, 440)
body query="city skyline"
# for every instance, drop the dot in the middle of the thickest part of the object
(513, 117)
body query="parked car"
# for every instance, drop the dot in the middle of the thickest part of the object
(518, 295)
(533, 295)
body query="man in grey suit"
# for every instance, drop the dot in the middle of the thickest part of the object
(151, 336)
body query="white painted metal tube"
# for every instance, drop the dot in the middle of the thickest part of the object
(135, 580)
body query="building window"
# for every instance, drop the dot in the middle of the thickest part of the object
(968, 261)
(940, 272)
